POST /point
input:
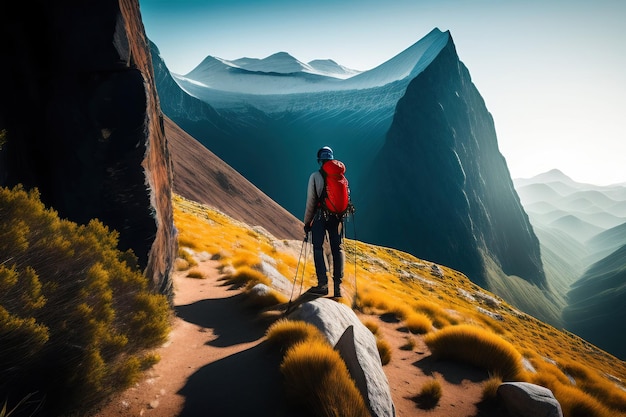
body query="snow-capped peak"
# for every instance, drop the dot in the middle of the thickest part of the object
(281, 73)
(279, 63)
(332, 69)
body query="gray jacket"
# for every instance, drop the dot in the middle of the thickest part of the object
(314, 192)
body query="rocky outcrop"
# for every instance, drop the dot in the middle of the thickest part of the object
(357, 346)
(82, 121)
(522, 399)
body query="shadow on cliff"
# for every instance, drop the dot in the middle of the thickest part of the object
(243, 383)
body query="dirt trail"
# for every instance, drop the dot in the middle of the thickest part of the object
(216, 363)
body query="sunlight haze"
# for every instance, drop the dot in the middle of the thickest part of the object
(551, 73)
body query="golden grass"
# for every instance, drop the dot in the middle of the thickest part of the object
(266, 298)
(575, 403)
(591, 382)
(187, 257)
(429, 394)
(439, 316)
(418, 323)
(181, 265)
(384, 350)
(246, 276)
(372, 326)
(195, 273)
(317, 378)
(490, 388)
(479, 347)
(286, 333)
(389, 278)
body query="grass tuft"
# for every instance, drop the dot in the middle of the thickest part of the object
(195, 273)
(418, 323)
(372, 326)
(318, 380)
(247, 276)
(479, 347)
(490, 388)
(384, 350)
(576, 403)
(286, 333)
(429, 395)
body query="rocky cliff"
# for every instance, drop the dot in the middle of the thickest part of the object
(82, 121)
(440, 187)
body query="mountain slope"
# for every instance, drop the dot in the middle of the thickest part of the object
(596, 309)
(201, 176)
(582, 230)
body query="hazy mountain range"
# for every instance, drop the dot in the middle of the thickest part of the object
(582, 230)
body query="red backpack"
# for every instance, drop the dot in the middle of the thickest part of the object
(336, 195)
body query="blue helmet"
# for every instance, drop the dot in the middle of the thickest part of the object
(325, 154)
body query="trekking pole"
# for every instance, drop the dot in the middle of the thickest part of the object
(295, 277)
(306, 256)
(356, 294)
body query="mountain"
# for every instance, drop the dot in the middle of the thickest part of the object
(453, 199)
(592, 215)
(582, 232)
(605, 243)
(420, 148)
(596, 304)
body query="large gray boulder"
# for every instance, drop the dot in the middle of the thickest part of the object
(357, 346)
(522, 399)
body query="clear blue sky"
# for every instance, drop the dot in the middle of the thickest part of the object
(552, 73)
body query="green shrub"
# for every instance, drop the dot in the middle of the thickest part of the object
(73, 308)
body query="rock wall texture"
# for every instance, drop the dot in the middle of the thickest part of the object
(83, 124)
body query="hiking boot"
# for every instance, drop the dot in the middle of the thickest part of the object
(337, 287)
(319, 290)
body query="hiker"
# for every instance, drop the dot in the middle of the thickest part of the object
(326, 205)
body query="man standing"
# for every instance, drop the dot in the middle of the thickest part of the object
(326, 204)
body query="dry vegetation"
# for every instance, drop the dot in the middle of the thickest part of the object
(456, 318)
(77, 318)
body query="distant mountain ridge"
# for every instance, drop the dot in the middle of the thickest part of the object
(582, 210)
(582, 231)
(283, 75)
(451, 182)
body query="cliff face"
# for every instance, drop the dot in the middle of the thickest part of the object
(441, 187)
(82, 121)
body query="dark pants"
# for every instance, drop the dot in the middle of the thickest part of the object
(333, 226)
